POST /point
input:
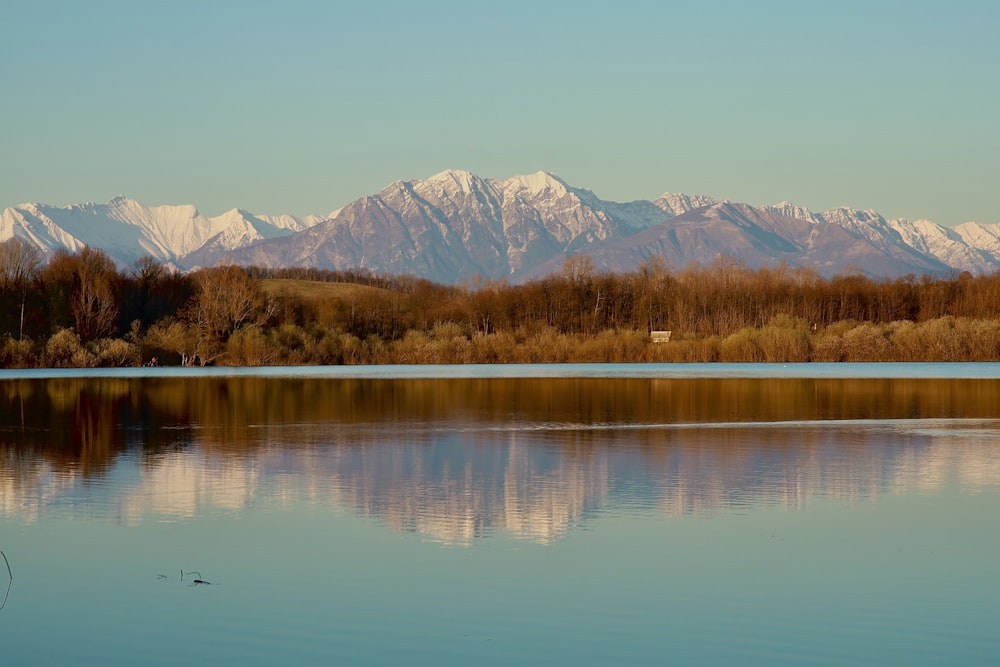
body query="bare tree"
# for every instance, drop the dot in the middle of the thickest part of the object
(176, 337)
(19, 266)
(228, 298)
(94, 303)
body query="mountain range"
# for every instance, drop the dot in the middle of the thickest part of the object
(456, 225)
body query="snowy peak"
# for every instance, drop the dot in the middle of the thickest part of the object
(674, 203)
(238, 222)
(539, 183)
(456, 225)
(293, 223)
(529, 221)
(843, 215)
(974, 233)
(127, 229)
(790, 210)
(455, 179)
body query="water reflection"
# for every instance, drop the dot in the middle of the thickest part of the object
(461, 459)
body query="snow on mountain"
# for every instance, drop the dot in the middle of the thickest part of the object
(128, 230)
(790, 210)
(986, 238)
(29, 223)
(677, 204)
(969, 247)
(237, 228)
(964, 248)
(455, 225)
(757, 237)
(291, 222)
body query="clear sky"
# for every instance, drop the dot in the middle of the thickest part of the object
(300, 107)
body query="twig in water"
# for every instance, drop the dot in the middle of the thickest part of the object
(197, 581)
(10, 580)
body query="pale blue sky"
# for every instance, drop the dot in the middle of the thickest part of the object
(300, 107)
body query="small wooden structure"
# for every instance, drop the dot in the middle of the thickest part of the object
(660, 336)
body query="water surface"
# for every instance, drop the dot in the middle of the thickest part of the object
(542, 517)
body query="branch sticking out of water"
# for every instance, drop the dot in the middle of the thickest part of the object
(197, 581)
(10, 580)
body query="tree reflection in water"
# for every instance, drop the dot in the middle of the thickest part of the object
(461, 458)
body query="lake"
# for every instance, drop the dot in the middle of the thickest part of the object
(833, 514)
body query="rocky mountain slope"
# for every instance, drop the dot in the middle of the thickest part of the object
(128, 230)
(456, 225)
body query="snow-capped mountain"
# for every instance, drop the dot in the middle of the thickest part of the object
(456, 225)
(758, 238)
(128, 230)
(967, 247)
(675, 203)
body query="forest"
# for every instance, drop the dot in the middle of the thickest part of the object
(80, 310)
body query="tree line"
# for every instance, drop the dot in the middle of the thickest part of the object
(80, 310)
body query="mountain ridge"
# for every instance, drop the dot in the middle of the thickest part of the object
(456, 224)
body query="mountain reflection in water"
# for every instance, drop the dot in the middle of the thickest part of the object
(459, 459)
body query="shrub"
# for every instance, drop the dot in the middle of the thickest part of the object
(742, 346)
(292, 345)
(983, 339)
(18, 353)
(248, 346)
(494, 348)
(352, 349)
(784, 339)
(328, 349)
(112, 352)
(688, 349)
(907, 341)
(866, 342)
(611, 346)
(547, 346)
(64, 350)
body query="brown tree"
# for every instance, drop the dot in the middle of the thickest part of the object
(227, 299)
(19, 267)
(83, 292)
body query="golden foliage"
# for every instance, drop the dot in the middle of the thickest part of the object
(64, 350)
(722, 312)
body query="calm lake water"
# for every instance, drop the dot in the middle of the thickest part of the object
(552, 515)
